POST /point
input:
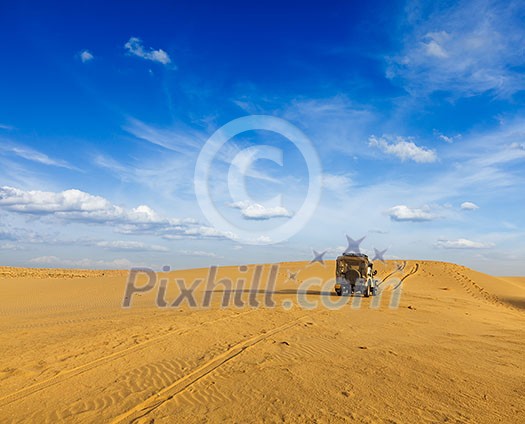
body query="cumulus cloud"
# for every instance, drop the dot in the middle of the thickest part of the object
(78, 206)
(135, 47)
(251, 210)
(71, 204)
(469, 206)
(462, 244)
(86, 56)
(403, 148)
(405, 213)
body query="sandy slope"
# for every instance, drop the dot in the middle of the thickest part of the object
(452, 351)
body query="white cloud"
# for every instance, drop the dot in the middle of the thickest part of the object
(5, 127)
(337, 183)
(338, 121)
(130, 245)
(404, 149)
(469, 206)
(68, 204)
(462, 244)
(134, 46)
(81, 263)
(10, 246)
(22, 235)
(263, 239)
(447, 138)
(251, 210)
(78, 206)
(467, 48)
(200, 253)
(433, 48)
(433, 44)
(181, 139)
(405, 213)
(32, 155)
(203, 231)
(86, 56)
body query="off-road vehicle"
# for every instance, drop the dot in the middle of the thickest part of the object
(354, 274)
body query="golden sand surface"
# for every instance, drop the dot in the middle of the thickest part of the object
(452, 351)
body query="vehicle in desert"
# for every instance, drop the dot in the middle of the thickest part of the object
(354, 273)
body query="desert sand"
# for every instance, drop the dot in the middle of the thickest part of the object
(452, 351)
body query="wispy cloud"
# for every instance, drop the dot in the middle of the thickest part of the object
(27, 153)
(135, 47)
(200, 253)
(130, 245)
(338, 121)
(120, 263)
(6, 127)
(403, 148)
(181, 140)
(447, 138)
(23, 235)
(337, 183)
(110, 164)
(468, 48)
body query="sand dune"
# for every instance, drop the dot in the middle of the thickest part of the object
(451, 351)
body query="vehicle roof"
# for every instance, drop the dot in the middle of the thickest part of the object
(354, 257)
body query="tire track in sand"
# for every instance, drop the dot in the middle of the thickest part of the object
(67, 374)
(169, 392)
(399, 268)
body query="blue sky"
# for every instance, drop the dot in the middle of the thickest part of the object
(415, 111)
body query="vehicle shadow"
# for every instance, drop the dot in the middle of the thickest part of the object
(274, 292)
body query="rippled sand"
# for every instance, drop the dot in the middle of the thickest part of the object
(451, 351)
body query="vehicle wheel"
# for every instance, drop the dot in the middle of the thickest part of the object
(338, 292)
(367, 291)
